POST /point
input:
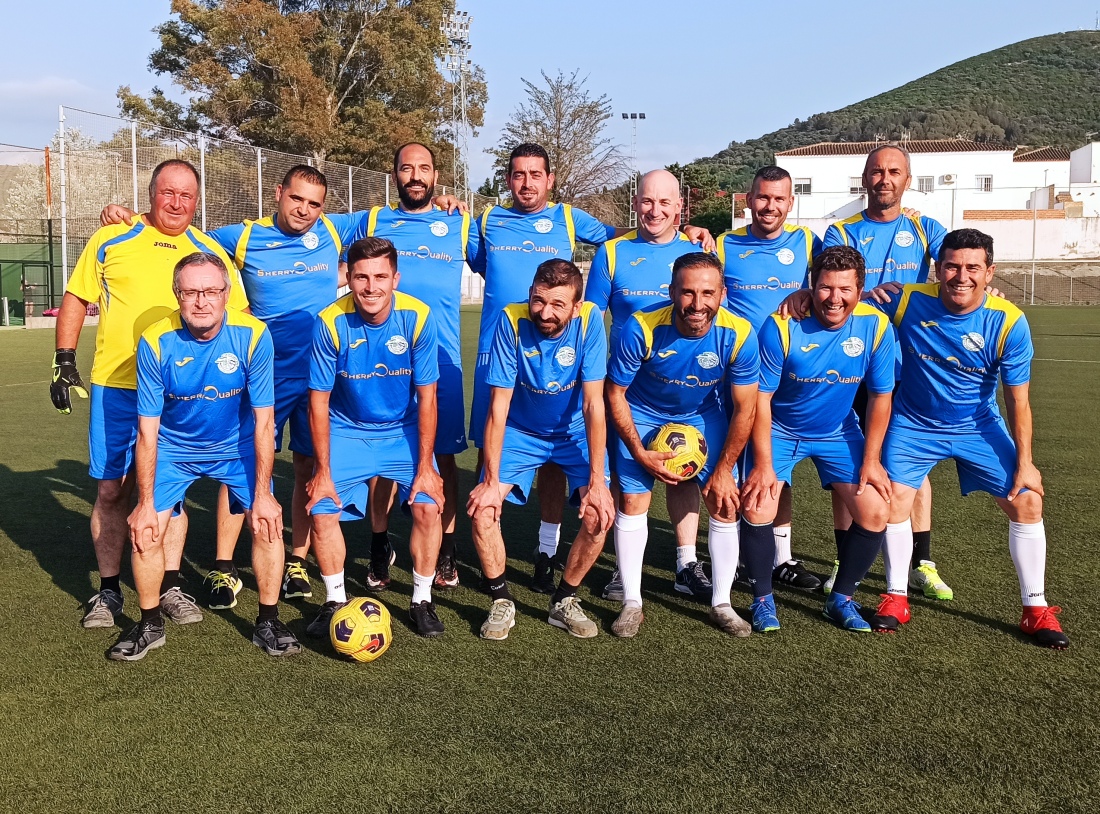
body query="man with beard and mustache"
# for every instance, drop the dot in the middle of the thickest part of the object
(672, 363)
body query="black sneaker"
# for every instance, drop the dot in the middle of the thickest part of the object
(792, 574)
(220, 589)
(446, 575)
(542, 582)
(318, 628)
(137, 641)
(378, 574)
(273, 637)
(296, 581)
(427, 622)
(693, 581)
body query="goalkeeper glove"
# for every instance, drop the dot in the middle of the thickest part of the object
(65, 376)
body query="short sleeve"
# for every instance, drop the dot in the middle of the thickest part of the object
(349, 226)
(833, 237)
(594, 363)
(473, 248)
(86, 281)
(322, 361)
(504, 355)
(261, 372)
(816, 248)
(935, 232)
(477, 261)
(1017, 354)
(227, 237)
(598, 288)
(150, 388)
(591, 230)
(425, 353)
(880, 373)
(744, 366)
(771, 356)
(628, 353)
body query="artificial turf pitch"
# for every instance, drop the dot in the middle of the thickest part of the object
(958, 712)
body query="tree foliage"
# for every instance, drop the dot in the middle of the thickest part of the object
(340, 80)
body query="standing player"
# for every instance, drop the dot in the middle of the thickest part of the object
(546, 371)
(671, 364)
(809, 373)
(206, 400)
(762, 263)
(372, 412)
(957, 341)
(127, 269)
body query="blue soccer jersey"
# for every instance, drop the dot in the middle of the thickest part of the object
(814, 372)
(204, 391)
(900, 251)
(515, 243)
(372, 371)
(950, 362)
(674, 376)
(544, 373)
(432, 248)
(629, 273)
(289, 278)
(759, 274)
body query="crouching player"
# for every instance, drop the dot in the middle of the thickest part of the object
(670, 364)
(372, 413)
(956, 340)
(810, 371)
(205, 400)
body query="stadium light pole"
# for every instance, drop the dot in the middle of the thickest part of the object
(633, 118)
(456, 28)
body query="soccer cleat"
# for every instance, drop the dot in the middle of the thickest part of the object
(613, 590)
(425, 618)
(273, 637)
(446, 575)
(827, 585)
(137, 641)
(792, 574)
(892, 611)
(318, 628)
(1041, 623)
(378, 574)
(179, 607)
(568, 615)
(221, 589)
(843, 611)
(102, 609)
(692, 580)
(542, 580)
(501, 619)
(727, 620)
(926, 578)
(764, 618)
(629, 620)
(296, 581)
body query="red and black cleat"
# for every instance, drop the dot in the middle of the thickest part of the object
(891, 613)
(1042, 624)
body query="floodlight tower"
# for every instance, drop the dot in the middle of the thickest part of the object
(633, 119)
(456, 28)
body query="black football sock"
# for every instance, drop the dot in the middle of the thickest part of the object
(498, 588)
(564, 589)
(838, 536)
(151, 615)
(379, 548)
(758, 554)
(922, 547)
(447, 547)
(226, 567)
(267, 613)
(172, 579)
(861, 547)
(110, 584)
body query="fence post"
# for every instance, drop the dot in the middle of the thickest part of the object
(4, 316)
(202, 180)
(259, 183)
(387, 189)
(133, 162)
(64, 211)
(1034, 229)
(350, 207)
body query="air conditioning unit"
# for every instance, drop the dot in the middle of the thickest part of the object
(949, 178)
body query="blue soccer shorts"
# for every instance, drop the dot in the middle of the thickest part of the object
(450, 434)
(837, 459)
(523, 453)
(985, 458)
(292, 404)
(635, 479)
(174, 478)
(479, 411)
(112, 432)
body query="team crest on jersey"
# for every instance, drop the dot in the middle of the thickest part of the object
(310, 241)
(228, 363)
(543, 225)
(904, 239)
(566, 357)
(785, 256)
(439, 228)
(397, 344)
(707, 360)
(973, 342)
(852, 346)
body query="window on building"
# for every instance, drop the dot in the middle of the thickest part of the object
(984, 183)
(926, 183)
(855, 186)
(803, 186)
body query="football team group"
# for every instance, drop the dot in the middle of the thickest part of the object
(776, 346)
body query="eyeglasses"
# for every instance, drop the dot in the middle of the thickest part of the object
(192, 294)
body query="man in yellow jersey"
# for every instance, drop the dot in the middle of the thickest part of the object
(127, 269)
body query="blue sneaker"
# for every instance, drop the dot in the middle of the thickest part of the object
(764, 619)
(844, 612)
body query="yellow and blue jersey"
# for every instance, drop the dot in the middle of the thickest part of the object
(128, 271)
(513, 245)
(546, 373)
(759, 273)
(372, 371)
(900, 251)
(814, 371)
(204, 391)
(432, 248)
(951, 362)
(289, 278)
(673, 376)
(630, 273)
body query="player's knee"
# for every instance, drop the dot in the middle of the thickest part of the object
(424, 514)
(591, 524)
(1026, 507)
(111, 493)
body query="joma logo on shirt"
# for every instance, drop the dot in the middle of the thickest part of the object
(162, 245)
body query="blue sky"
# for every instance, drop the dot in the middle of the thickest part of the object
(704, 73)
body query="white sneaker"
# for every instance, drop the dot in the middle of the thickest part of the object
(568, 615)
(827, 585)
(501, 619)
(727, 620)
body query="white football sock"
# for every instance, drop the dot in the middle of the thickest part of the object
(334, 587)
(724, 545)
(685, 555)
(897, 552)
(1027, 542)
(549, 535)
(782, 535)
(631, 534)
(422, 588)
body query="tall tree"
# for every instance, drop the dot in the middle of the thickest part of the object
(339, 80)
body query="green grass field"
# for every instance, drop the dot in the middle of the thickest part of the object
(956, 713)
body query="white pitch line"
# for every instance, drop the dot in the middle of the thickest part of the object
(1074, 361)
(23, 384)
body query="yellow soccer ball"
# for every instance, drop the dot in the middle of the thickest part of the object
(688, 446)
(361, 629)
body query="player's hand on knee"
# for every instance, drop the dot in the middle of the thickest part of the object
(116, 213)
(428, 482)
(1027, 477)
(654, 463)
(65, 378)
(485, 498)
(598, 498)
(319, 487)
(874, 475)
(722, 496)
(267, 518)
(882, 294)
(697, 234)
(796, 306)
(144, 526)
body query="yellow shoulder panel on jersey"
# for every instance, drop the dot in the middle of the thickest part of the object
(485, 218)
(344, 305)
(403, 302)
(465, 233)
(611, 247)
(784, 326)
(739, 325)
(929, 289)
(243, 320)
(1012, 316)
(720, 241)
(570, 227)
(650, 321)
(920, 232)
(334, 234)
(242, 242)
(841, 224)
(158, 329)
(865, 310)
(515, 312)
(372, 219)
(807, 236)
(588, 310)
